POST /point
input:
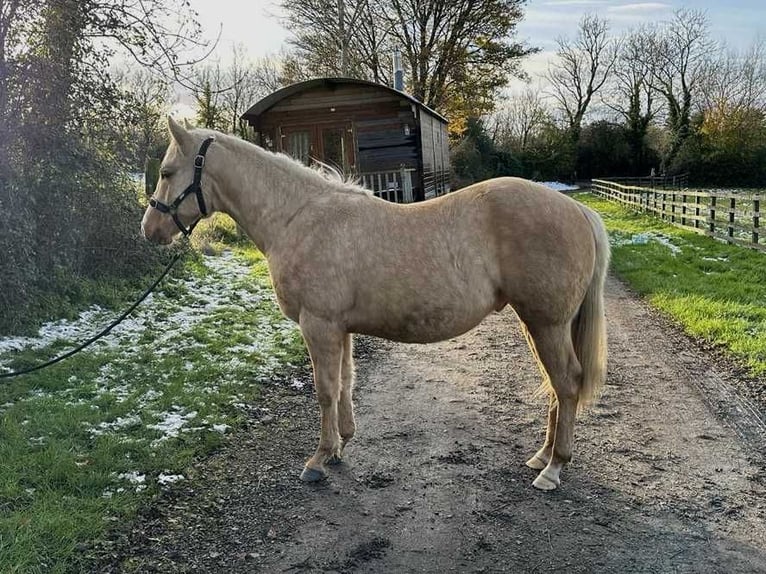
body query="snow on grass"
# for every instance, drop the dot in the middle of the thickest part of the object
(169, 382)
(227, 286)
(558, 186)
(165, 479)
(644, 238)
(171, 423)
(119, 423)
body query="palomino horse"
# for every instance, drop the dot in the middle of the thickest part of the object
(343, 261)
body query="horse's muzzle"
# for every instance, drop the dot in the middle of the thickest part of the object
(155, 233)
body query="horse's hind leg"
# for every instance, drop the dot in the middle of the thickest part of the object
(557, 356)
(543, 456)
(346, 424)
(325, 345)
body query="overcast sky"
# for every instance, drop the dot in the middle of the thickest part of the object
(256, 23)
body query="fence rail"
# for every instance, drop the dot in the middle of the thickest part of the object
(679, 181)
(724, 214)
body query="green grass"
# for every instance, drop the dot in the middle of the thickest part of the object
(72, 435)
(714, 290)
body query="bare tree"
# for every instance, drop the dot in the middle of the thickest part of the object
(269, 75)
(736, 81)
(208, 95)
(630, 93)
(243, 82)
(681, 51)
(732, 104)
(581, 70)
(149, 99)
(517, 123)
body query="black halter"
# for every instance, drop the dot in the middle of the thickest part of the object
(194, 187)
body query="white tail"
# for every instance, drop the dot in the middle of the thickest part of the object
(589, 327)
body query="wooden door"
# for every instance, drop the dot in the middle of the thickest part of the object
(337, 147)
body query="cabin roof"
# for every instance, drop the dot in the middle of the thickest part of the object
(274, 98)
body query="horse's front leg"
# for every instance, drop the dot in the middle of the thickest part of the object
(325, 344)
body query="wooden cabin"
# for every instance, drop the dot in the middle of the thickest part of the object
(396, 146)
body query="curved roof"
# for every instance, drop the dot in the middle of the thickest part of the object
(275, 97)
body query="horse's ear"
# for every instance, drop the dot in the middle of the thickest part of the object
(180, 135)
(187, 124)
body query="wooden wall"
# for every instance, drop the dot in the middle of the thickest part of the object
(435, 156)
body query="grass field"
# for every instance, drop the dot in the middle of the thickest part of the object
(87, 441)
(716, 291)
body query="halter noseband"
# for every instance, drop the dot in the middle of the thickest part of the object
(194, 187)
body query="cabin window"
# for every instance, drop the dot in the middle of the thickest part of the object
(298, 145)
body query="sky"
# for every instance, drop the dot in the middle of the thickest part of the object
(256, 24)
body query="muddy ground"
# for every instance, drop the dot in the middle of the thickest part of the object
(668, 474)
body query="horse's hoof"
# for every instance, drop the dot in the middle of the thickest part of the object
(536, 463)
(313, 474)
(542, 482)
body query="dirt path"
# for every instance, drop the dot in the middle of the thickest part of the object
(435, 480)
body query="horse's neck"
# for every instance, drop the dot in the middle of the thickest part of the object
(259, 194)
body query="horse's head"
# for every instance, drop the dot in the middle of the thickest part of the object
(178, 202)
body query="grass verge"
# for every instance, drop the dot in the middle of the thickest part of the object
(84, 443)
(716, 291)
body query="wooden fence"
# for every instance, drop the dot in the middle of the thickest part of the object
(655, 181)
(729, 215)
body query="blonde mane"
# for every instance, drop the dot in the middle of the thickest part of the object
(346, 183)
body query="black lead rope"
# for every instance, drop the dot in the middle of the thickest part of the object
(104, 332)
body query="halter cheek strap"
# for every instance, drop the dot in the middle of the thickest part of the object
(195, 187)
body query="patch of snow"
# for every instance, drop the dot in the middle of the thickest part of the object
(170, 424)
(221, 428)
(117, 424)
(133, 477)
(558, 186)
(297, 384)
(164, 479)
(646, 237)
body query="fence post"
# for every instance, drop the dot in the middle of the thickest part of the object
(732, 206)
(406, 184)
(673, 207)
(697, 203)
(756, 219)
(711, 220)
(664, 204)
(683, 209)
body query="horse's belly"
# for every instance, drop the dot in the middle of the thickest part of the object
(421, 325)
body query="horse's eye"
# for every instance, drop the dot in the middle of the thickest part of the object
(165, 174)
